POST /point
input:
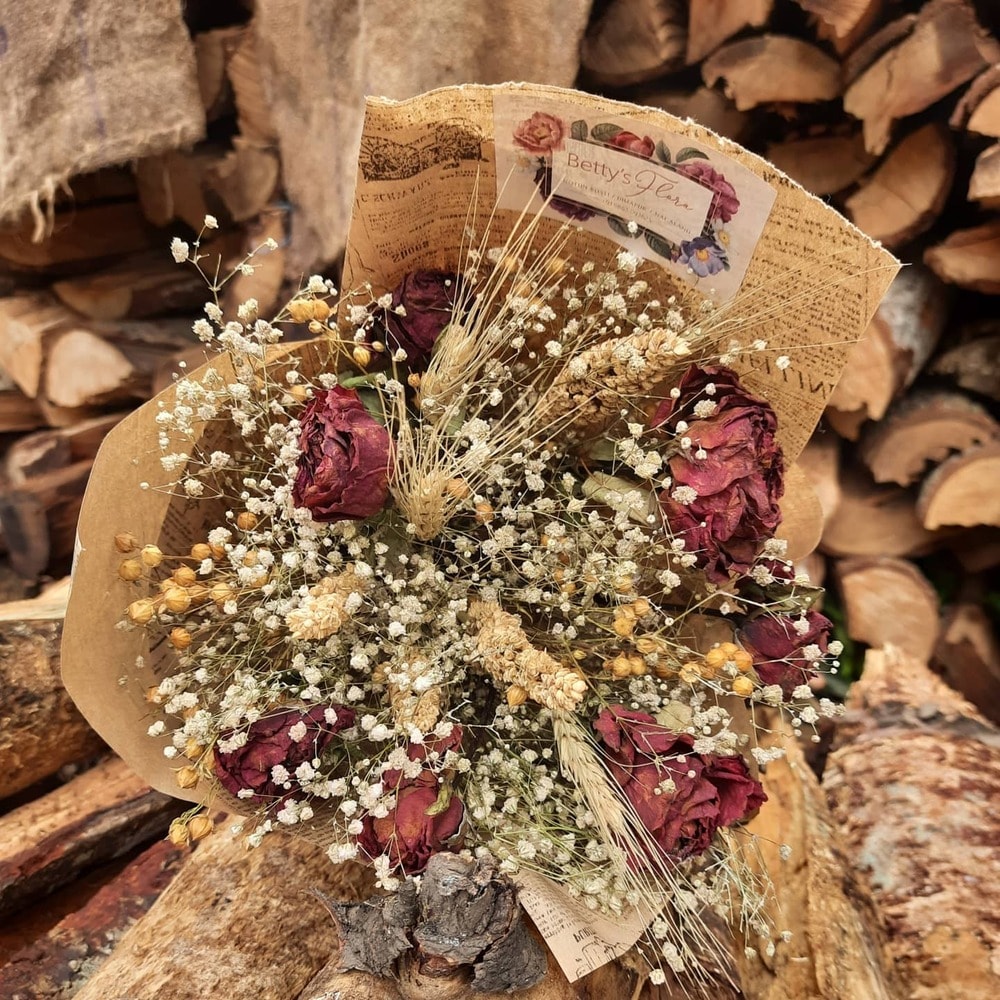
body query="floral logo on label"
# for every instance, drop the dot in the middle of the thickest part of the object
(543, 134)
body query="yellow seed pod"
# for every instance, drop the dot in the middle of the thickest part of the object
(130, 570)
(321, 310)
(484, 512)
(125, 541)
(201, 826)
(217, 551)
(665, 671)
(198, 593)
(141, 611)
(730, 649)
(743, 687)
(362, 356)
(637, 666)
(623, 584)
(221, 592)
(690, 672)
(568, 588)
(176, 599)
(743, 661)
(299, 393)
(315, 327)
(178, 834)
(556, 265)
(151, 555)
(180, 638)
(624, 625)
(184, 576)
(640, 607)
(192, 749)
(413, 380)
(153, 695)
(647, 644)
(250, 559)
(516, 695)
(716, 657)
(201, 551)
(246, 521)
(301, 310)
(619, 667)
(457, 488)
(186, 777)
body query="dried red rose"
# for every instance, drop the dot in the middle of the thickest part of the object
(286, 739)
(724, 505)
(344, 466)
(630, 141)
(725, 204)
(777, 647)
(428, 299)
(418, 826)
(709, 791)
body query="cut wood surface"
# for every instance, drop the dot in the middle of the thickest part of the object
(924, 428)
(978, 109)
(234, 923)
(984, 185)
(28, 325)
(40, 728)
(820, 460)
(889, 601)
(968, 257)
(963, 489)
(822, 164)
(704, 105)
(914, 783)
(945, 48)
(974, 365)
(905, 195)
(634, 41)
(213, 52)
(969, 653)
(841, 16)
(768, 69)
(97, 816)
(711, 22)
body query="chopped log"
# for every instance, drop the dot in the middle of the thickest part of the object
(907, 192)
(768, 69)
(969, 258)
(822, 164)
(18, 412)
(974, 366)
(40, 727)
(706, 106)
(711, 22)
(57, 964)
(28, 324)
(820, 460)
(839, 17)
(233, 923)
(873, 520)
(877, 44)
(253, 110)
(244, 179)
(946, 47)
(963, 489)
(173, 185)
(99, 815)
(978, 109)
(889, 602)
(213, 50)
(634, 41)
(913, 783)
(44, 451)
(893, 350)
(147, 285)
(984, 185)
(845, 42)
(801, 514)
(924, 427)
(84, 235)
(817, 897)
(267, 280)
(969, 653)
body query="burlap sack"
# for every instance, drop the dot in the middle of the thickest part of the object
(89, 83)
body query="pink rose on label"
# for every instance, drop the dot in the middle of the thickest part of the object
(344, 466)
(709, 791)
(633, 144)
(422, 822)
(283, 740)
(724, 504)
(777, 644)
(725, 204)
(541, 134)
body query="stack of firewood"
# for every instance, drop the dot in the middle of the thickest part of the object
(889, 109)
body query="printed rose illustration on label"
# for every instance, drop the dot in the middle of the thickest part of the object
(493, 565)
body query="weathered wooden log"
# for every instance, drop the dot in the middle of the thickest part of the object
(914, 782)
(962, 490)
(40, 728)
(95, 817)
(823, 164)
(968, 258)
(54, 966)
(969, 653)
(711, 22)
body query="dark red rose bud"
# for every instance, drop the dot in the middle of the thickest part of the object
(423, 821)
(429, 298)
(286, 739)
(710, 791)
(344, 465)
(733, 508)
(631, 142)
(778, 647)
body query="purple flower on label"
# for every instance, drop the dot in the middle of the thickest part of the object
(344, 462)
(571, 209)
(725, 204)
(703, 255)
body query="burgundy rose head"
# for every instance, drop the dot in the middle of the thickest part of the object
(286, 739)
(417, 826)
(428, 298)
(540, 134)
(703, 255)
(630, 142)
(710, 791)
(725, 204)
(778, 647)
(725, 505)
(344, 465)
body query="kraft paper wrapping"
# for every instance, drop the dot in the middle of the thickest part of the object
(801, 278)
